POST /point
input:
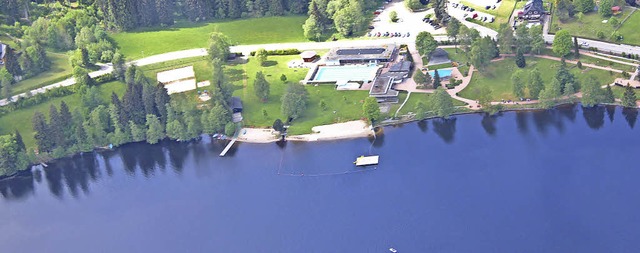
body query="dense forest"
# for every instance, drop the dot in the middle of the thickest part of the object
(132, 14)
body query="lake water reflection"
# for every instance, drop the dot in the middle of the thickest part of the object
(563, 180)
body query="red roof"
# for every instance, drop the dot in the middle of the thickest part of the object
(615, 8)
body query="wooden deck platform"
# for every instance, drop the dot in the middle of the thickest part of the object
(226, 149)
(367, 160)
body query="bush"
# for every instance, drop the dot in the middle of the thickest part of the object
(230, 129)
(290, 51)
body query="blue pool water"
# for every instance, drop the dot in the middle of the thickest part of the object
(346, 73)
(442, 72)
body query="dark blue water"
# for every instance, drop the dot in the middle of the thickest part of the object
(554, 181)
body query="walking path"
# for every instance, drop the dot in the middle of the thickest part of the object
(471, 104)
(403, 103)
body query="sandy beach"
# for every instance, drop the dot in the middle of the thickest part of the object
(338, 131)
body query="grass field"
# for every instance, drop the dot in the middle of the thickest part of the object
(497, 76)
(591, 24)
(415, 98)
(346, 104)
(187, 35)
(501, 13)
(21, 119)
(60, 68)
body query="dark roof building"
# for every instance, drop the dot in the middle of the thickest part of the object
(236, 104)
(533, 10)
(345, 55)
(402, 66)
(438, 56)
(382, 91)
(309, 56)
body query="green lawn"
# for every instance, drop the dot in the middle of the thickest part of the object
(591, 24)
(630, 29)
(497, 76)
(346, 104)
(21, 119)
(502, 13)
(187, 35)
(60, 70)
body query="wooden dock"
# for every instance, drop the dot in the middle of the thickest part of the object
(367, 160)
(226, 149)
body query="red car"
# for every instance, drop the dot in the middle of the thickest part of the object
(376, 12)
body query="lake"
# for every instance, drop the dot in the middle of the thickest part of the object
(564, 180)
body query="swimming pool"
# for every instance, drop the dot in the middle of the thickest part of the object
(346, 73)
(444, 73)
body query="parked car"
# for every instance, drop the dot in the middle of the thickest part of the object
(371, 27)
(408, 34)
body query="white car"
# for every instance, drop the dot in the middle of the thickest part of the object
(584, 44)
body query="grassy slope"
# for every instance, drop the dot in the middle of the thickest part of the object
(186, 35)
(497, 76)
(21, 119)
(591, 24)
(60, 68)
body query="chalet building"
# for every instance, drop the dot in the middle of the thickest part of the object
(533, 10)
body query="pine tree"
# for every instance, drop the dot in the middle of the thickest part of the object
(66, 120)
(194, 126)
(276, 7)
(161, 100)
(11, 62)
(41, 129)
(517, 80)
(165, 11)
(520, 60)
(138, 132)
(436, 79)
(608, 95)
(576, 47)
(55, 127)
(118, 66)
(261, 87)
(148, 99)
(155, 131)
(629, 98)
(18, 137)
(175, 129)
(535, 84)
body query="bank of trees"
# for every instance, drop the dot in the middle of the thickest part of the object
(13, 155)
(346, 17)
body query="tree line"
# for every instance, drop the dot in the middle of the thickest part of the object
(347, 17)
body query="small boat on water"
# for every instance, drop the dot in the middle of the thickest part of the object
(367, 160)
(393, 250)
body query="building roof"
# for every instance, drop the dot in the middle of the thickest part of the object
(402, 66)
(534, 7)
(308, 54)
(361, 53)
(236, 103)
(176, 75)
(438, 56)
(382, 87)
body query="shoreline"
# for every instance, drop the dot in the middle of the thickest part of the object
(331, 132)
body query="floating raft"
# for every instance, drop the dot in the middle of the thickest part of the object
(367, 160)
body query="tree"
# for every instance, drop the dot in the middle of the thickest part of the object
(517, 80)
(535, 84)
(313, 28)
(371, 109)
(467, 37)
(350, 19)
(629, 97)
(453, 30)
(222, 89)
(520, 60)
(537, 41)
(442, 103)
(585, 6)
(294, 101)
(161, 100)
(569, 90)
(414, 5)
(278, 126)
(436, 79)
(506, 40)
(12, 158)
(138, 132)
(261, 87)
(194, 126)
(614, 22)
(425, 43)
(55, 127)
(393, 16)
(230, 129)
(564, 76)
(283, 78)
(218, 46)
(591, 92)
(97, 125)
(484, 97)
(41, 129)
(421, 110)
(82, 77)
(261, 55)
(605, 8)
(118, 66)
(11, 62)
(608, 96)
(523, 38)
(175, 130)
(562, 43)
(482, 51)
(550, 94)
(18, 138)
(421, 78)
(440, 10)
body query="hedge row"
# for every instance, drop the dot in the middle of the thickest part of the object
(290, 51)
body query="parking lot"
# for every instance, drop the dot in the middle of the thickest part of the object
(409, 23)
(462, 12)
